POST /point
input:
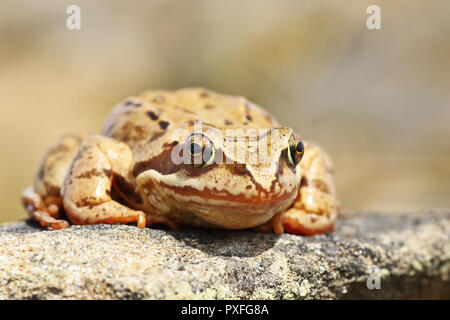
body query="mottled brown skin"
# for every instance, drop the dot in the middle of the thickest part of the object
(127, 175)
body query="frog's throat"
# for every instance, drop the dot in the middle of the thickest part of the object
(152, 179)
(180, 200)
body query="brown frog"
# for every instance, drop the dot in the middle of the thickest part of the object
(190, 157)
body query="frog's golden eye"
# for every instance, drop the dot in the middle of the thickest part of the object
(295, 150)
(199, 150)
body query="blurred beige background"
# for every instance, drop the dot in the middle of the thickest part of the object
(378, 101)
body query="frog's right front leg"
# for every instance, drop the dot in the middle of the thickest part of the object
(86, 190)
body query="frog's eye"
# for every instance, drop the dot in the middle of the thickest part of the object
(195, 148)
(295, 150)
(199, 150)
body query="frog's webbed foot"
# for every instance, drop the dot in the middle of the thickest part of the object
(46, 215)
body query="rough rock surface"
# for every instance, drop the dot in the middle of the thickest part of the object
(412, 252)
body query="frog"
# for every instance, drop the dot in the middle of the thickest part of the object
(144, 169)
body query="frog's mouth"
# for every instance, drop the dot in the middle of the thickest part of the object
(219, 208)
(153, 181)
(264, 198)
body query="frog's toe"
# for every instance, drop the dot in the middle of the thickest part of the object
(45, 215)
(300, 222)
(32, 200)
(45, 219)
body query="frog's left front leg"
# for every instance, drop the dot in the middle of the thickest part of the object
(316, 207)
(87, 187)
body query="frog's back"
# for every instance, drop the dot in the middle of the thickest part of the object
(146, 121)
(216, 109)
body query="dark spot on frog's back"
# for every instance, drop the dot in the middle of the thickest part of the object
(163, 124)
(209, 106)
(228, 122)
(152, 115)
(204, 94)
